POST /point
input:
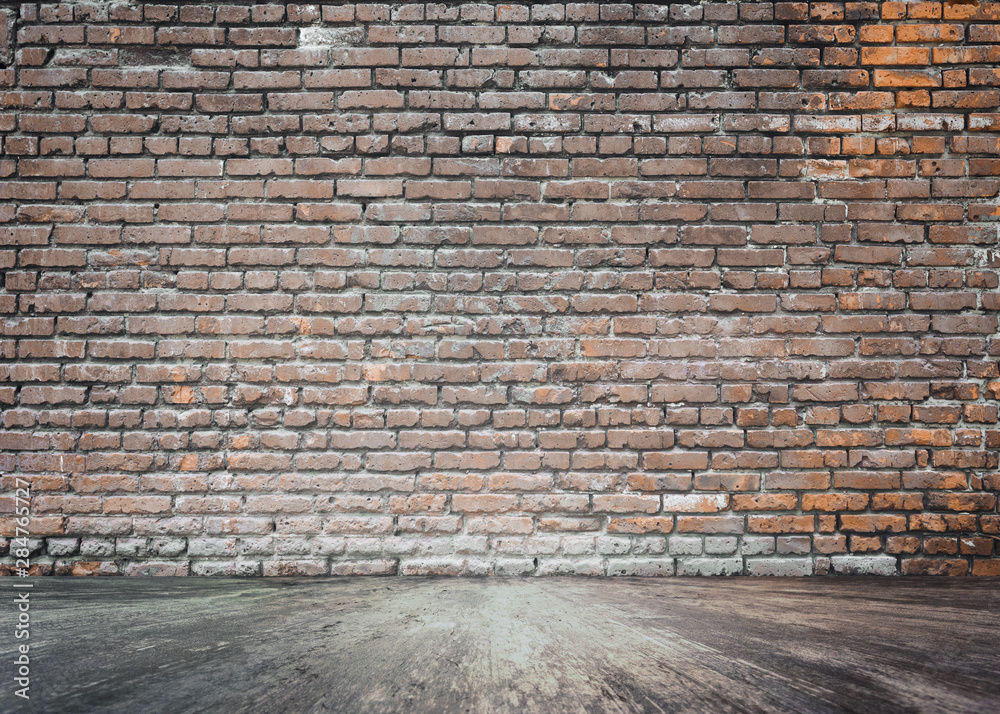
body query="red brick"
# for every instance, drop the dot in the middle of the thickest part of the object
(421, 269)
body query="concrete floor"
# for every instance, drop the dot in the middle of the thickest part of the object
(511, 645)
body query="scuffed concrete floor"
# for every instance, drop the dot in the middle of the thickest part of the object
(510, 645)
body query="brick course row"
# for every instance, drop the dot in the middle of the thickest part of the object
(464, 288)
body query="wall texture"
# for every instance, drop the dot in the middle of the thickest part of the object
(498, 288)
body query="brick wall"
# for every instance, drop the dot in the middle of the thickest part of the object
(501, 288)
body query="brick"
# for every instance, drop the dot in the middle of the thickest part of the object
(528, 271)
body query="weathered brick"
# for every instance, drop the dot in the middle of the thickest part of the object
(728, 251)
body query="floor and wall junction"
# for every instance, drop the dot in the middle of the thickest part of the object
(335, 288)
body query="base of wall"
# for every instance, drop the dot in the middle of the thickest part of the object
(594, 565)
(697, 287)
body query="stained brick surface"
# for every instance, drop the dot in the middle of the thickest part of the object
(513, 288)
